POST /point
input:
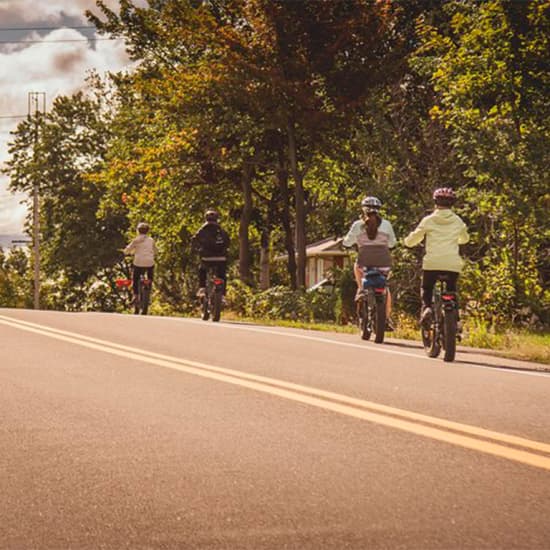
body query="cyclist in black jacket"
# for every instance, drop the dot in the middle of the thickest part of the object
(212, 243)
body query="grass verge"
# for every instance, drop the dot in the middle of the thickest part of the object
(510, 344)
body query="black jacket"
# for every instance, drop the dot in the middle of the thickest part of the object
(211, 241)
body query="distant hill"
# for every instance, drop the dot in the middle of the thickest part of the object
(6, 240)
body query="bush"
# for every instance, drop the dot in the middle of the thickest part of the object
(238, 296)
(279, 302)
(321, 304)
(345, 289)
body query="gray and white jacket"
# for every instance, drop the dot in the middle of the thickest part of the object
(144, 250)
(375, 252)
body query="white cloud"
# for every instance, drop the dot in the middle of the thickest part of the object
(29, 11)
(56, 68)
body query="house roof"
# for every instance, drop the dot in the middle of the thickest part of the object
(327, 248)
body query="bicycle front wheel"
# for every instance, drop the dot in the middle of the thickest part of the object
(430, 338)
(364, 319)
(205, 309)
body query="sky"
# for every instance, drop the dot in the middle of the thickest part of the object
(56, 68)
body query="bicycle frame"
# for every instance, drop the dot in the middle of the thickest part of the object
(443, 330)
(372, 305)
(212, 301)
(144, 290)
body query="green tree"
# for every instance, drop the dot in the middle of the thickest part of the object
(488, 72)
(58, 150)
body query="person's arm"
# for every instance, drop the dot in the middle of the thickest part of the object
(195, 241)
(415, 237)
(392, 240)
(464, 236)
(351, 238)
(130, 249)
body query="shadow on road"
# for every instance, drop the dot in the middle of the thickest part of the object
(466, 351)
(501, 367)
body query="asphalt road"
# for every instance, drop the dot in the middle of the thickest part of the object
(140, 432)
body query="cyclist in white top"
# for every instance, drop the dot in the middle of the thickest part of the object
(373, 236)
(144, 250)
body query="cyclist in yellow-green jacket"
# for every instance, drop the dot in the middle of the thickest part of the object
(443, 231)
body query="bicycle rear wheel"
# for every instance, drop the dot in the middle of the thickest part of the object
(144, 298)
(216, 305)
(449, 335)
(379, 321)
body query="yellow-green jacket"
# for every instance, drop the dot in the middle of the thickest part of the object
(444, 231)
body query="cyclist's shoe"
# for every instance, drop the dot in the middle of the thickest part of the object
(201, 293)
(389, 326)
(426, 318)
(359, 294)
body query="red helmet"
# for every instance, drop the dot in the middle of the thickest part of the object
(444, 196)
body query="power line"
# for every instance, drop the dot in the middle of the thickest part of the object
(13, 116)
(45, 28)
(52, 41)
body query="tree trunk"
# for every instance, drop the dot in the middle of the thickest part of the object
(300, 207)
(264, 260)
(515, 269)
(245, 273)
(282, 177)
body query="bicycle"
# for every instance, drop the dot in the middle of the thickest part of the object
(443, 329)
(212, 300)
(371, 305)
(141, 304)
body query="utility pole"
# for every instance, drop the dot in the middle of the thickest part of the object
(36, 105)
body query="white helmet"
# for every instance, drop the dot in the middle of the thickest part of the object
(371, 204)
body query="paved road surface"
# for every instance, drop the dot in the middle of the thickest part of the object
(138, 432)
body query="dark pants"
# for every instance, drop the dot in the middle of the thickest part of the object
(136, 274)
(219, 268)
(429, 278)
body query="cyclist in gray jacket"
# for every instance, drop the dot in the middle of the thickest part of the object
(144, 251)
(374, 237)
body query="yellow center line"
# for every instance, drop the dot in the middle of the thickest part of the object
(342, 404)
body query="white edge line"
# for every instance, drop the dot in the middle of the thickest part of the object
(366, 346)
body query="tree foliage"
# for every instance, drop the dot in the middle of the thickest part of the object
(282, 115)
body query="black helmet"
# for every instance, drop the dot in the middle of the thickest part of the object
(444, 196)
(143, 228)
(211, 215)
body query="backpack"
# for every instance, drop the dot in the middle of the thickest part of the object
(213, 241)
